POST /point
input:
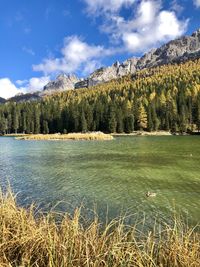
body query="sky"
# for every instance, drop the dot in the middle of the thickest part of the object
(40, 39)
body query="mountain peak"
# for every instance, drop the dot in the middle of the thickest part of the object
(178, 50)
(196, 33)
(175, 51)
(62, 82)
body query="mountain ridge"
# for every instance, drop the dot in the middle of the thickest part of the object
(63, 82)
(175, 51)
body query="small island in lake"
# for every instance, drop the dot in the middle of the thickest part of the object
(70, 136)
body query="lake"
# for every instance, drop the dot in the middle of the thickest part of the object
(112, 176)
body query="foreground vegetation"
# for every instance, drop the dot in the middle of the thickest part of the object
(71, 136)
(163, 98)
(39, 241)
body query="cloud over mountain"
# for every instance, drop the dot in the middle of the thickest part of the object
(9, 89)
(148, 26)
(75, 54)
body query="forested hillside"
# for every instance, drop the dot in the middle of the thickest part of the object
(161, 98)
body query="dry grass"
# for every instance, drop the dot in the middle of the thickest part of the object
(41, 242)
(70, 136)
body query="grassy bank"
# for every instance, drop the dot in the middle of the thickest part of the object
(26, 241)
(70, 136)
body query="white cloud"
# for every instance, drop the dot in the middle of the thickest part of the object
(150, 26)
(75, 55)
(8, 89)
(36, 84)
(90, 66)
(168, 26)
(197, 3)
(146, 12)
(102, 6)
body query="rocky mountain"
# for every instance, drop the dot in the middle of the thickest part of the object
(63, 82)
(2, 100)
(109, 73)
(176, 51)
(179, 50)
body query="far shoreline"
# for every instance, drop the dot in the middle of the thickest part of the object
(155, 133)
(92, 135)
(145, 133)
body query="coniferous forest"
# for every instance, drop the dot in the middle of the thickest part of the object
(161, 98)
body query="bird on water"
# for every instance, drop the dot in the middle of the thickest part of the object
(150, 194)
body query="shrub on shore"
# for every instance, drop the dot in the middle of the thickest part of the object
(26, 240)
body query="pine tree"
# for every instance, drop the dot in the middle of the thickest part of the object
(112, 122)
(129, 123)
(83, 123)
(36, 120)
(142, 117)
(149, 119)
(120, 123)
(15, 119)
(45, 127)
(2, 124)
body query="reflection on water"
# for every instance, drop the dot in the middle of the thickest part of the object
(112, 175)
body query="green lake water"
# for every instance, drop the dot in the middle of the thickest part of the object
(113, 176)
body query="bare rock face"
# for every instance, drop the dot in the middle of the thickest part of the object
(62, 83)
(127, 67)
(176, 51)
(103, 75)
(113, 72)
(83, 83)
(179, 50)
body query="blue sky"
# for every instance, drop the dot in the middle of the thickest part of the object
(42, 38)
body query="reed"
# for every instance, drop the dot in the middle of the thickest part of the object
(70, 136)
(26, 240)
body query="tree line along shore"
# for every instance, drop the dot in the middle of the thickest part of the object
(165, 98)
